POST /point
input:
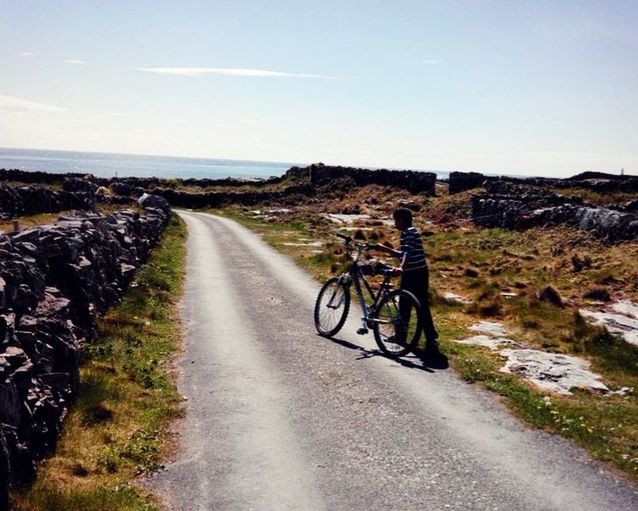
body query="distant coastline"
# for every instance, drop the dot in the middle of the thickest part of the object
(136, 165)
(109, 165)
(132, 165)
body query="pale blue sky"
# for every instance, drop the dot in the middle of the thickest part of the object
(530, 87)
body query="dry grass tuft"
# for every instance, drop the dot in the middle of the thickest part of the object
(471, 272)
(551, 295)
(597, 293)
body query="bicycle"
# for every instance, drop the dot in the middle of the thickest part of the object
(394, 314)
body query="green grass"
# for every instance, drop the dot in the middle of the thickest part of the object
(118, 428)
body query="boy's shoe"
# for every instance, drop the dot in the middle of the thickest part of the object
(393, 339)
(433, 358)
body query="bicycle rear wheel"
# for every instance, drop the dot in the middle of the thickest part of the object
(331, 307)
(396, 323)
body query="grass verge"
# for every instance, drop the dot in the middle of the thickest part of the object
(119, 427)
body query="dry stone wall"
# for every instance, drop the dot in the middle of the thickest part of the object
(595, 181)
(53, 281)
(521, 209)
(34, 199)
(410, 180)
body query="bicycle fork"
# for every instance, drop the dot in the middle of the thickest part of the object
(363, 329)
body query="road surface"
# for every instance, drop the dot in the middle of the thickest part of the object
(279, 418)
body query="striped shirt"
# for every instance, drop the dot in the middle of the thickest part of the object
(412, 247)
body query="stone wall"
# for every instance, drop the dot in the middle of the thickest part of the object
(410, 180)
(34, 199)
(54, 279)
(461, 181)
(522, 210)
(595, 181)
(183, 199)
(24, 176)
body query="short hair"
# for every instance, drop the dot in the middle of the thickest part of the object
(404, 214)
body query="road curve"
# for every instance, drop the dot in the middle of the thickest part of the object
(279, 418)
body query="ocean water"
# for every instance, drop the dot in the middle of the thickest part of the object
(122, 165)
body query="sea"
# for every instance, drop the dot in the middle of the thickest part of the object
(127, 165)
(133, 165)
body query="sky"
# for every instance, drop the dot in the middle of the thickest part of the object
(544, 87)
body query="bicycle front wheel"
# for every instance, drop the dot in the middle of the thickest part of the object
(331, 307)
(396, 323)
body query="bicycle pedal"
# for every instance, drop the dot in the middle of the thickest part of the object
(362, 331)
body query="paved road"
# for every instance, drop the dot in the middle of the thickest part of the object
(281, 419)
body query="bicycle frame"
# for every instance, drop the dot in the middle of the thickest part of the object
(355, 276)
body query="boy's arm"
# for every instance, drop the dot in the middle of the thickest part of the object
(395, 253)
(387, 250)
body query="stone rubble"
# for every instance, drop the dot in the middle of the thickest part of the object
(54, 279)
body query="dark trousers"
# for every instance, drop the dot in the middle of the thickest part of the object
(417, 283)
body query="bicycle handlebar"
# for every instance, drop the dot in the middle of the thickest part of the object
(348, 239)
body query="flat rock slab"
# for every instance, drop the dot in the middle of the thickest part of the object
(347, 219)
(489, 328)
(489, 342)
(454, 298)
(552, 371)
(626, 308)
(623, 322)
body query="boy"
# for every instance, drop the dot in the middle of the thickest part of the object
(414, 274)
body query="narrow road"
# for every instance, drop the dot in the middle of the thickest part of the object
(279, 418)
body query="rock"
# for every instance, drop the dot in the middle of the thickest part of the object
(622, 325)
(627, 308)
(551, 371)
(487, 341)
(489, 328)
(454, 298)
(154, 201)
(631, 206)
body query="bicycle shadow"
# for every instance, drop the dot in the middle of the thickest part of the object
(411, 361)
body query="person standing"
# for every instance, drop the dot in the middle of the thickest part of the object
(415, 275)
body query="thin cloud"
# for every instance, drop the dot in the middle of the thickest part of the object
(75, 61)
(14, 104)
(226, 71)
(432, 61)
(27, 54)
